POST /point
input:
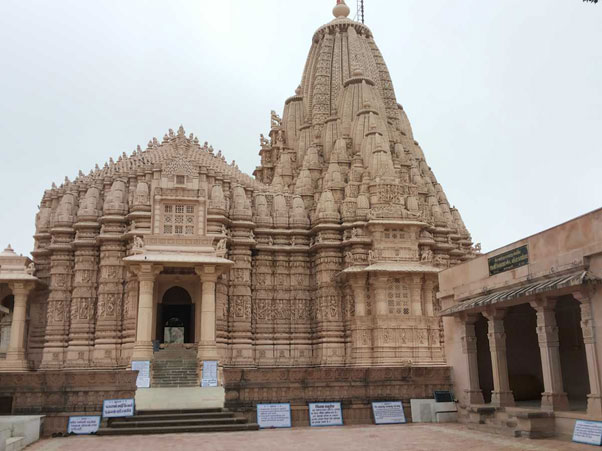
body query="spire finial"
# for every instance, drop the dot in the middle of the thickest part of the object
(341, 10)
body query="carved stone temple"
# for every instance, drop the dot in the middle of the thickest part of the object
(327, 257)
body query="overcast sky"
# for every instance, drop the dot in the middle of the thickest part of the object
(504, 96)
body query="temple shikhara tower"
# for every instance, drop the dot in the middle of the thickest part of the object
(328, 256)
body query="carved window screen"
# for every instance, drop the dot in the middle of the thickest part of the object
(398, 297)
(179, 219)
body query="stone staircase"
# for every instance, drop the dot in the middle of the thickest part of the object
(175, 367)
(510, 421)
(177, 421)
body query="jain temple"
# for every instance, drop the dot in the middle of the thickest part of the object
(327, 275)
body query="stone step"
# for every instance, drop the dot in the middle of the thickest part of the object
(209, 410)
(178, 429)
(166, 422)
(175, 416)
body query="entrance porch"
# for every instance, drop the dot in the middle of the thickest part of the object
(176, 298)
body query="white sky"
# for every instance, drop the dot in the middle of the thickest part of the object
(505, 97)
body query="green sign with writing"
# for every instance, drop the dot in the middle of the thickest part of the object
(509, 260)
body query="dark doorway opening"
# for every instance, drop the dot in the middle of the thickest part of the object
(523, 355)
(573, 360)
(175, 318)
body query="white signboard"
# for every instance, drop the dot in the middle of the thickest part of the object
(325, 414)
(143, 368)
(274, 415)
(116, 408)
(390, 412)
(83, 425)
(209, 378)
(589, 432)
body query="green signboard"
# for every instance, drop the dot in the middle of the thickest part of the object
(509, 260)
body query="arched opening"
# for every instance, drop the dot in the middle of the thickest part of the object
(176, 317)
(573, 360)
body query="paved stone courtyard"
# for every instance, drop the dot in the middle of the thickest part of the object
(349, 438)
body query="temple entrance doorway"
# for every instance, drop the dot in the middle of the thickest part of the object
(176, 317)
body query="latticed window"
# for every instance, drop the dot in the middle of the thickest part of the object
(180, 179)
(179, 219)
(398, 297)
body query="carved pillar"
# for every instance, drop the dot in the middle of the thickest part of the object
(16, 360)
(427, 294)
(416, 295)
(207, 348)
(81, 332)
(128, 336)
(501, 394)
(107, 340)
(329, 348)
(59, 300)
(383, 340)
(358, 283)
(240, 299)
(263, 293)
(379, 288)
(143, 348)
(361, 335)
(281, 309)
(554, 397)
(301, 332)
(474, 394)
(594, 399)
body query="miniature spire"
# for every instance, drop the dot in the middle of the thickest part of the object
(341, 10)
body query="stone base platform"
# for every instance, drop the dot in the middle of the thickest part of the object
(354, 387)
(59, 394)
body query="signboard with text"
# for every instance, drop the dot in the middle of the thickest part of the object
(325, 414)
(118, 408)
(274, 415)
(143, 368)
(509, 260)
(388, 412)
(588, 432)
(83, 425)
(209, 374)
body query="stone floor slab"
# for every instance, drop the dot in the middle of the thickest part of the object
(450, 437)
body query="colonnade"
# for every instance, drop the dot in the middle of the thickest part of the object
(554, 397)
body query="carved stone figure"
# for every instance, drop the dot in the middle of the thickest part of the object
(276, 120)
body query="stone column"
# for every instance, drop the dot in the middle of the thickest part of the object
(207, 349)
(143, 348)
(359, 294)
(554, 397)
(594, 399)
(474, 394)
(501, 394)
(15, 355)
(416, 295)
(379, 286)
(361, 336)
